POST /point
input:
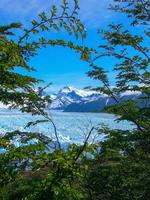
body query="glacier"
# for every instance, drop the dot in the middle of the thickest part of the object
(71, 127)
(74, 123)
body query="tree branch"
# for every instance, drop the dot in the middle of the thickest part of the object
(84, 145)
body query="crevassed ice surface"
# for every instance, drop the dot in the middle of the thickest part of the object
(71, 127)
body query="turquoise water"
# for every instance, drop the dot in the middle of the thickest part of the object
(71, 127)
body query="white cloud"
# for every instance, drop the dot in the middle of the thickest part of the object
(92, 12)
(23, 10)
(95, 12)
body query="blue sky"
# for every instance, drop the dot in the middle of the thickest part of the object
(57, 65)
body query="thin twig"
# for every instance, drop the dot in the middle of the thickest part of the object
(84, 145)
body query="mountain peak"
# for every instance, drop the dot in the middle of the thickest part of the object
(67, 89)
(74, 99)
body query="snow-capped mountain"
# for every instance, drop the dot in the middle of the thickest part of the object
(70, 95)
(3, 107)
(70, 99)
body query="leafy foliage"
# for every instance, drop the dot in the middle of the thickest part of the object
(32, 166)
(35, 167)
(121, 169)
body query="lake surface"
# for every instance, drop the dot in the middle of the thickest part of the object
(71, 127)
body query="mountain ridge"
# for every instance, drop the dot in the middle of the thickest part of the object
(71, 99)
